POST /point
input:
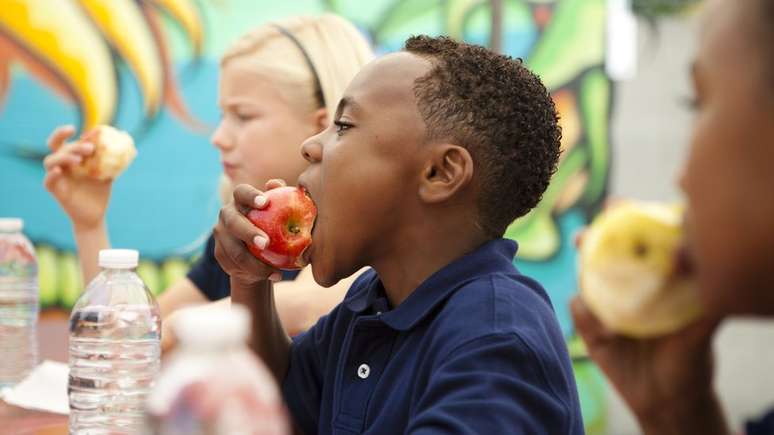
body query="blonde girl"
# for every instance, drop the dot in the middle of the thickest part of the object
(279, 84)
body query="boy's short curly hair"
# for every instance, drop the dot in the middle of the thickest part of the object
(501, 113)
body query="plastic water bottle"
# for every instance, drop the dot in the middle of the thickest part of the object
(115, 332)
(18, 303)
(212, 384)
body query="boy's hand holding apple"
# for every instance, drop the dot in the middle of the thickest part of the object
(274, 226)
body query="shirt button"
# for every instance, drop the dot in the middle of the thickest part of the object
(363, 371)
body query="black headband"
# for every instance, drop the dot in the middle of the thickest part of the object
(318, 85)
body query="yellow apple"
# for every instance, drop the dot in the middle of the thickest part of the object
(629, 274)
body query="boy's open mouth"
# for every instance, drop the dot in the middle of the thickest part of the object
(314, 223)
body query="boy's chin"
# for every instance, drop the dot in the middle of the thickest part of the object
(323, 274)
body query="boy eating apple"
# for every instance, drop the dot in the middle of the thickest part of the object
(433, 152)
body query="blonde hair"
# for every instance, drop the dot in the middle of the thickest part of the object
(335, 47)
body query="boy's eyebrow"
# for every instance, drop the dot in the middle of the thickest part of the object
(344, 103)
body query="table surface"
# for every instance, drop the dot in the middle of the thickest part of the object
(52, 345)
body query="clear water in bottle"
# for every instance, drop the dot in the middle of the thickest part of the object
(115, 332)
(18, 303)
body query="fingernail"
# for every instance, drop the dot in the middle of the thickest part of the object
(260, 201)
(275, 277)
(260, 241)
(88, 146)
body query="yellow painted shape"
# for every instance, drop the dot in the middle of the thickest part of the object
(127, 29)
(185, 13)
(59, 34)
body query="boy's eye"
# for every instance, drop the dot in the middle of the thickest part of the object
(341, 127)
(693, 101)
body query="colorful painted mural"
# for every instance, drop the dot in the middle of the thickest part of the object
(151, 67)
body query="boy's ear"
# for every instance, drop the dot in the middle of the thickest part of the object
(448, 170)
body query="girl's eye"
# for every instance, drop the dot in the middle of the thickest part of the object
(341, 127)
(243, 117)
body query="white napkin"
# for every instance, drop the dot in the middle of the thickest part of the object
(45, 389)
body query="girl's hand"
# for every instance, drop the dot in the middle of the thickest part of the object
(84, 199)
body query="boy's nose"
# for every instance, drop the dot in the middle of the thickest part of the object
(311, 149)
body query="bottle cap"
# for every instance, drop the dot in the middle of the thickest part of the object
(212, 324)
(118, 258)
(10, 225)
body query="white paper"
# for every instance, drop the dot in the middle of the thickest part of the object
(45, 389)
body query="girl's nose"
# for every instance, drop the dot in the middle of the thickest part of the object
(220, 137)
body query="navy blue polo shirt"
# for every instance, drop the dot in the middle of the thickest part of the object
(763, 426)
(474, 349)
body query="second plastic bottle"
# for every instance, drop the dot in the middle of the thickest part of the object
(18, 303)
(115, 332)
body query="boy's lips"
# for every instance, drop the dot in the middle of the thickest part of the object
(307, 255)
(684, 259)
(684, 266)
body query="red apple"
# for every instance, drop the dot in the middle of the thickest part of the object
(288, 221)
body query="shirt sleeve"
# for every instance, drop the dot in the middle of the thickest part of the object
(207, 275)
(303, 383)
(494, 384)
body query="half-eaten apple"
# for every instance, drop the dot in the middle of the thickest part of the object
(632, 272)
(287, 220)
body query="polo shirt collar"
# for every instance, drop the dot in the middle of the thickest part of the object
(494, 255)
